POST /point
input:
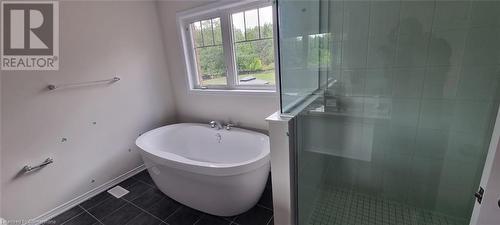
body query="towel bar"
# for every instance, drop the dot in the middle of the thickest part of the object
(29, 168)
(54, 87)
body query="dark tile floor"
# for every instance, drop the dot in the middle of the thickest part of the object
(146, 205)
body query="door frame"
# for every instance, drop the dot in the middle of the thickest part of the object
(484, 212)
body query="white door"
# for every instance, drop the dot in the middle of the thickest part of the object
(488, 212)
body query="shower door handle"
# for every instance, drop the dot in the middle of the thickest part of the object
(479, 195)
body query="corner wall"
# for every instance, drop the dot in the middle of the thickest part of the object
(247, 110)
(98, 40)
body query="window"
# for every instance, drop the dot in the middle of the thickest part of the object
(230, 47)
(208, 52)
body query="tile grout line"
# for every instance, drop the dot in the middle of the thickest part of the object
(69, 218)
(134, 177)
(232, 220)
(99, 221)
(172, 214)
(162, 221)
(136, 197)
(97, 204)
(265, 207)
(93, 206)
(198, 220)
(419, 99)
(136, 216)
(144, 210)
(370, 5)
(269, 221)
(144, 182)
(110, 212)
(149, 185)
(109, 198)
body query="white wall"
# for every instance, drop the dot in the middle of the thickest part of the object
(248, 110)
(1, 192)
(98, 40)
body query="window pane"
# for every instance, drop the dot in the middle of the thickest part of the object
(196, 32)
(255, 53)
(266, 22)
(211, 68)
(208, 35)
(209, 54)
(238, 27)
(255, 62)
(253, 48)
(252, 24)
(217, 31)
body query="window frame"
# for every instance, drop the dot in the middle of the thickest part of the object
(224, 11)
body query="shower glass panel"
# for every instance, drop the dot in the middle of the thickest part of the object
(304, 53)
(401, 98)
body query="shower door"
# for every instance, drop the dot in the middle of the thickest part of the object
(394, 103)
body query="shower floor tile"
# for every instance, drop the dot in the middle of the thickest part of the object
(345, 207)
(146, 205)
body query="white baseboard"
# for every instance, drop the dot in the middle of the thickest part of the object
(74, 202)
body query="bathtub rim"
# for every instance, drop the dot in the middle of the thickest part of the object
(207, 168)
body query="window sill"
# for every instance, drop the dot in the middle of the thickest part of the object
(266, 93)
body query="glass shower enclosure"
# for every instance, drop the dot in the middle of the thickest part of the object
(394, 105)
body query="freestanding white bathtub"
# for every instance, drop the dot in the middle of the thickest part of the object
(220, 172)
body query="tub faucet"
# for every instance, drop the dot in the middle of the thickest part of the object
(215, 124)
(229, 125)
